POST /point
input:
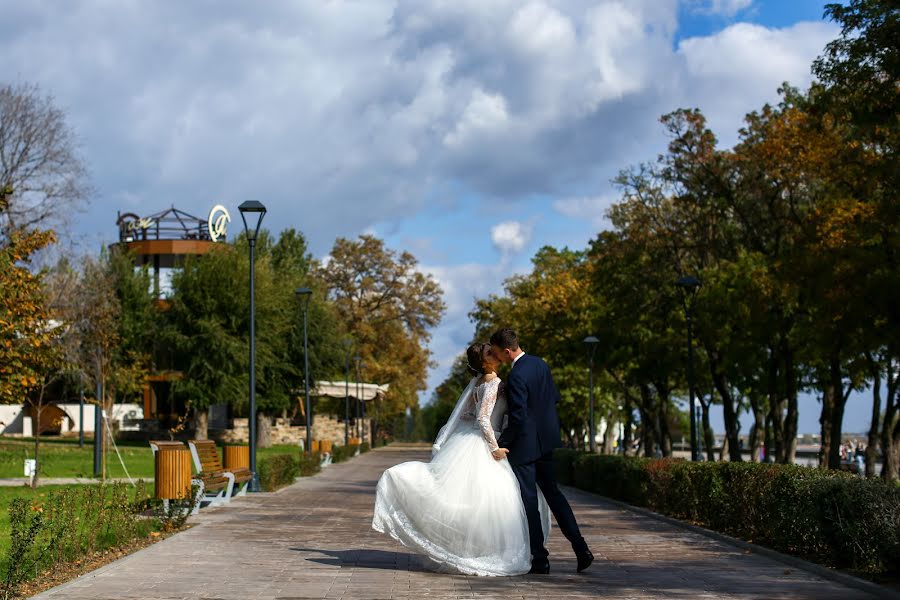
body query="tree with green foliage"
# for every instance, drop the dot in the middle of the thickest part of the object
(389, 308)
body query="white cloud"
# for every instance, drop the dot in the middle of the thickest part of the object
(587, 208)
(510, 237)
(725, 8)
(340, 116)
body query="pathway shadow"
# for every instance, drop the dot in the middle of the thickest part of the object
(366, 558)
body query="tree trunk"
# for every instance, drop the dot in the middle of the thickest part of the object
(709, 439)
(201, 424)
(650, 420)
(834, 417)
(263, 431)
(665, 437)
(36, 428)
(732, 426)
(791, 419)
(874, 426)
(629, 420)
(609, 435)
(825, 416)
(890, 429)
(759, 427)
(776, 445)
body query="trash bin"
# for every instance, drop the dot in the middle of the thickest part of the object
(236, 456)
(173, 473)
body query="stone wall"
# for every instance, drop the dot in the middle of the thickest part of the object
(324, 428)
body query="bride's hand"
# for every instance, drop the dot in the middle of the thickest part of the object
(499, 453)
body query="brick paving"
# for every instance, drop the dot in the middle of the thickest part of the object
(314, 540)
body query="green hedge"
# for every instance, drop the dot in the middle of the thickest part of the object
(71, 524)
(309, 464)
(833, 518)
(277, 471)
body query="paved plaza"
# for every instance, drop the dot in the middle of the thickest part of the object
(314, 540)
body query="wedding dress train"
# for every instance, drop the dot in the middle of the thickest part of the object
(463, 509)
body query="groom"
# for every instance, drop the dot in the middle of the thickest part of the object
(528, 442)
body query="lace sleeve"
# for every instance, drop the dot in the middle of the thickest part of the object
(484, 415)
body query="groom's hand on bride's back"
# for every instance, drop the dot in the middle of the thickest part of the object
(500, 453)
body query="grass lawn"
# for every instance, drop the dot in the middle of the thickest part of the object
(63, 458)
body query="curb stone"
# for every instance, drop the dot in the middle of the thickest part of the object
(870, 587)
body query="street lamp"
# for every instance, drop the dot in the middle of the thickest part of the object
(254, 211)
(592, 342)
(688, 286)
(348, 344)
(357, 359)
(304, 294)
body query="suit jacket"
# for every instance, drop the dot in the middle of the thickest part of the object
(533, 425)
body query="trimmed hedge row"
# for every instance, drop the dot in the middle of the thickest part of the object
(279, 470)
(832, 518)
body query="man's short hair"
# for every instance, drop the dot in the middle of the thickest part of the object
(506, 338)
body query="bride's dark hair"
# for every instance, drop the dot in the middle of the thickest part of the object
(475, 358)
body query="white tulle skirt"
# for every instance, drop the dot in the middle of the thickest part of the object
(462, 510)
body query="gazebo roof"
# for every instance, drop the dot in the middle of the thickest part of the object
(169, 224)
(337, 389)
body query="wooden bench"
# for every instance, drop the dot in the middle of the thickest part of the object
(156, 446)
(209, 466)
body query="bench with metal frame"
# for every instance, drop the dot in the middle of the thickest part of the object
(209, 466)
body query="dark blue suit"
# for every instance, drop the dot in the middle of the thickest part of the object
(531, 436)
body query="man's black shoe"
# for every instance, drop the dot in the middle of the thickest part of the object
(584, 560)
(540, 568)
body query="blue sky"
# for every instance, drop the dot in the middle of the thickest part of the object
(469, 132)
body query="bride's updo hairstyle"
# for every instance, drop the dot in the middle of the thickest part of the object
(475, 358)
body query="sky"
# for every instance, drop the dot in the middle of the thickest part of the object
(469, 132)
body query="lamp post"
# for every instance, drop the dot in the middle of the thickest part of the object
(357, 360)
(592, 342)
(98, 421)
(254, 211)
(304, 294)
(688, 286)
(348, 344)
(361, 407)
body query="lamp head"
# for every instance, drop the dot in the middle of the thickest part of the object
(252, 213)
(303, 294)
(688, 283)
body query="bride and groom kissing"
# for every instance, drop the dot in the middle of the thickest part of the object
(482, 505)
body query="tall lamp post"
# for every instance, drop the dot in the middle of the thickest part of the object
(592, 342)
(304, 294)
(252, 213)
(688, 286)
(361, 366)
(357, 359)
(348, 344)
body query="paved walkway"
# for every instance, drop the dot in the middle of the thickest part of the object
(314, 540)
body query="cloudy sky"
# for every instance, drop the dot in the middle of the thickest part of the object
(470, 132)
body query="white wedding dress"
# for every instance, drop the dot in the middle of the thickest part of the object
(463, 509)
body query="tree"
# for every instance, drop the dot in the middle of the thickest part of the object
(860, 73)
(389, 307)
(25, 339)
(40, 168)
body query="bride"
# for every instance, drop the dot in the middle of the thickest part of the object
(463, 509)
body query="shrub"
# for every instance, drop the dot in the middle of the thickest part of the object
(830, 517)
(309, 464)
(69, 524)
(364, 447)
(342, 453)
(278, 470)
